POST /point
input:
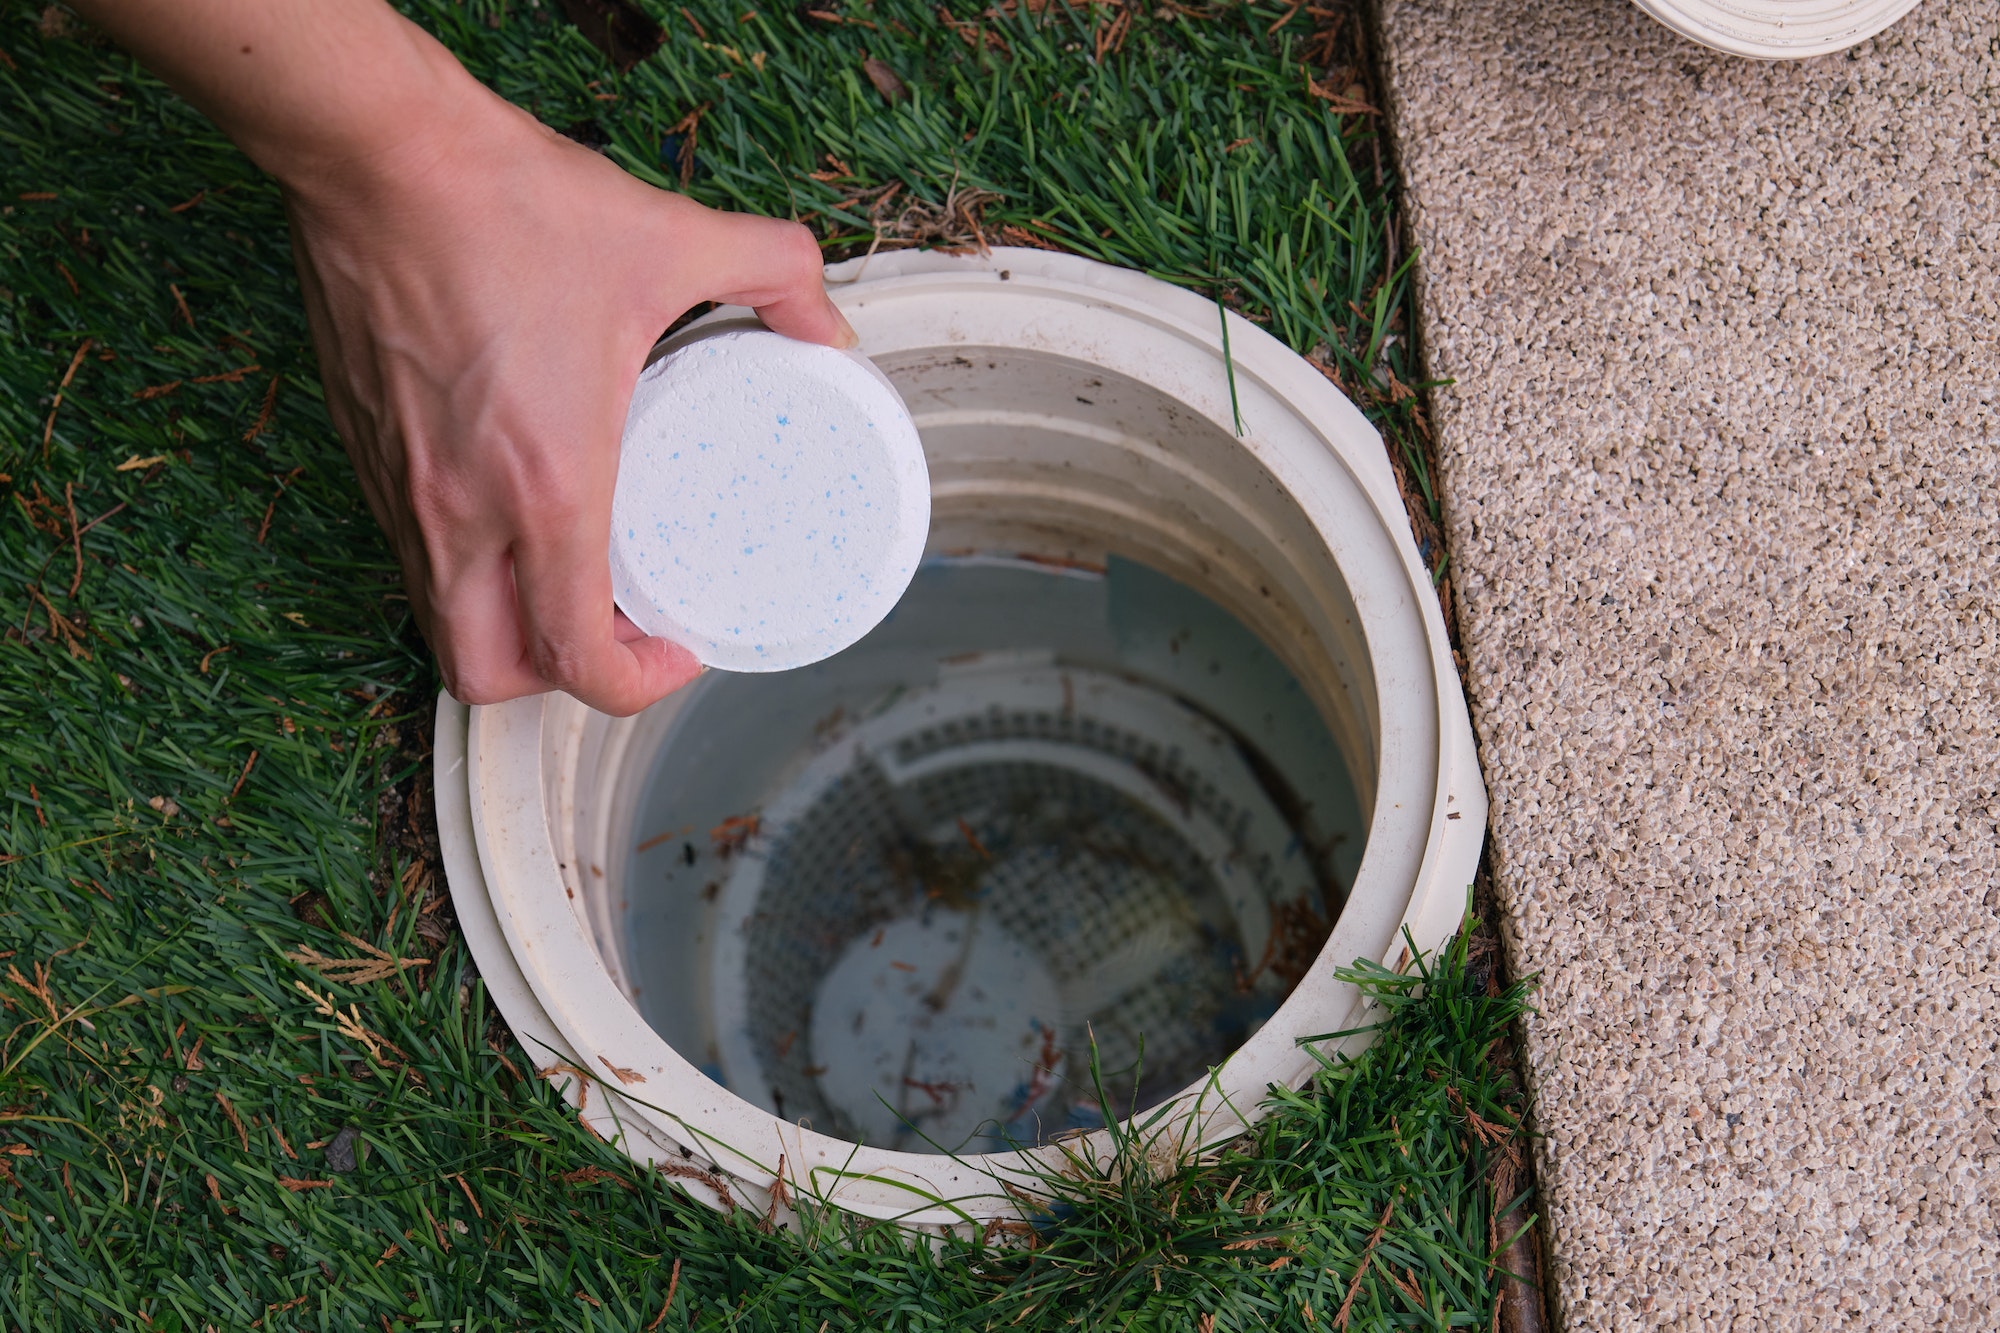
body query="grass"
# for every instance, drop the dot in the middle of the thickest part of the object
(248, 1077)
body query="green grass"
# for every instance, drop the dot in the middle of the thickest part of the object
(213, 724)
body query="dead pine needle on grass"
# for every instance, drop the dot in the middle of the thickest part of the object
(250, 1078)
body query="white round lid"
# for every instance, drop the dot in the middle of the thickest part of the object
(772, 500)
(1778, 29)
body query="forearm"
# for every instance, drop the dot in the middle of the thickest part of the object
(481, 293)
(309, 89)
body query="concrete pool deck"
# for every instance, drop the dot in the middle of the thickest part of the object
(1722, 478)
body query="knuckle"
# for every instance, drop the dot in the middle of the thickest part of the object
(474, 685)
(799, 252)
(563, 663)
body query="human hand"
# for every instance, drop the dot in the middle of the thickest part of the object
(482, 294)
(483, 300)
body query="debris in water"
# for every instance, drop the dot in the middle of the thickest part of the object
(733, 834)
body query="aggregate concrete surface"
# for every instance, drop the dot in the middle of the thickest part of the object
(1723, 479)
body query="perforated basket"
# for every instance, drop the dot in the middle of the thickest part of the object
(949, 915)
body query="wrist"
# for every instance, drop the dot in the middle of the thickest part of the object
(304, 87)
(406, 104)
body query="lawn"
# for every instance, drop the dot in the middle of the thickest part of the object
(249, 1078)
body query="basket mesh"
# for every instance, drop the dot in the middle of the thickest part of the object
(1119, 904)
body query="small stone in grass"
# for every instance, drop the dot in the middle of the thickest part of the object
(166, 805)
(340, 1152)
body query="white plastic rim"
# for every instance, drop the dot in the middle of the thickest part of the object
(772, 501)
(1295, 525)
(1778, 29)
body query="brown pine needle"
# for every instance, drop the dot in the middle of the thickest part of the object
(673, 1285)
(590, 1175)
(708, 1178)
(1360, 1269)
(39, 987)
(75, 538)
(582, 1077)
(781, 1193)
(264, 413)
(244, 776)
(477, 1211)
(49, 426)
(505, 1063)
(264, 528)
(62, 628)
(354, 971)
(689, 127)
(227, 376)
(626, 1076)
(181, 302)
(1339, 103)
(234, 1119)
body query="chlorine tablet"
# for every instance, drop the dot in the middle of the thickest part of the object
(772, 500)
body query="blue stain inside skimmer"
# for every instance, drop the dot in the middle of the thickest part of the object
(772, 500)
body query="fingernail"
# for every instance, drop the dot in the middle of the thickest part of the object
(849, 339)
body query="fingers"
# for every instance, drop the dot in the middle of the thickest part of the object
(774, 267)
(475, 632)
(571, 631)
(482, 640)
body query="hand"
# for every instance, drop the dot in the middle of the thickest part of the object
(482, 302)
(482, 294)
